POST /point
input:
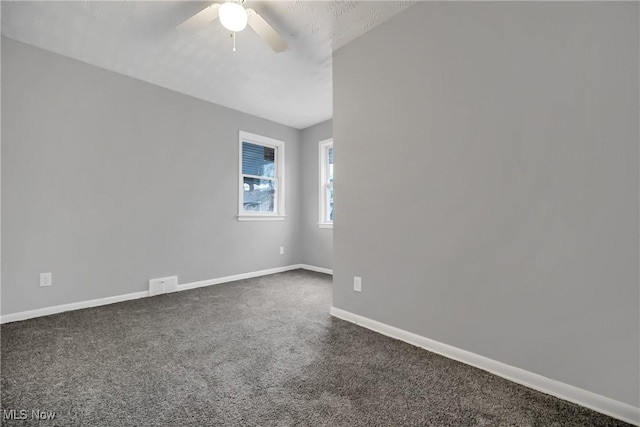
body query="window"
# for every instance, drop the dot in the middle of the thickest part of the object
(326, 184)
(261, 192)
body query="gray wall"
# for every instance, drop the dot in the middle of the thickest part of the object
(108, 181)
(317, 243)
(488, 183)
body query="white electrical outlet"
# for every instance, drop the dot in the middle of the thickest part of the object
(281, 250)
(357, 284)
(163, 285)
(45, 279)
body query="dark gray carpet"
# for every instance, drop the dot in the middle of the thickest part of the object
(258, 352)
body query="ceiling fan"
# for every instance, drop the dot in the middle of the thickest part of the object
(235, 17)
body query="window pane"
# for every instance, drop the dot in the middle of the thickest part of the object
(258, 195)
(330, 166)
(330, 204)
(258, 160)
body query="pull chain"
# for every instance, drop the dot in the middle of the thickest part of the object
(233, 34)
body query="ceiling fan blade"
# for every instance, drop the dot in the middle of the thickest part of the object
(266, 31)
(200, 19)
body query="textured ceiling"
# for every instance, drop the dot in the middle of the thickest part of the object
(139, 39)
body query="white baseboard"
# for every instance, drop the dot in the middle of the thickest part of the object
(29, 314)
(314, 268)
(235, 277)
(602, 404)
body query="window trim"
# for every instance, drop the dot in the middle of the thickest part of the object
(278, 146)
(323, 164)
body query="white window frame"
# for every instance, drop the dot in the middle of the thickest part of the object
(323, 157)
(278, 146)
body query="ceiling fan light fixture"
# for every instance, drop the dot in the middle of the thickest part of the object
(233, 16)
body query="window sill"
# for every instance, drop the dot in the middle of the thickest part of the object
(325, 225)
(261, 217)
